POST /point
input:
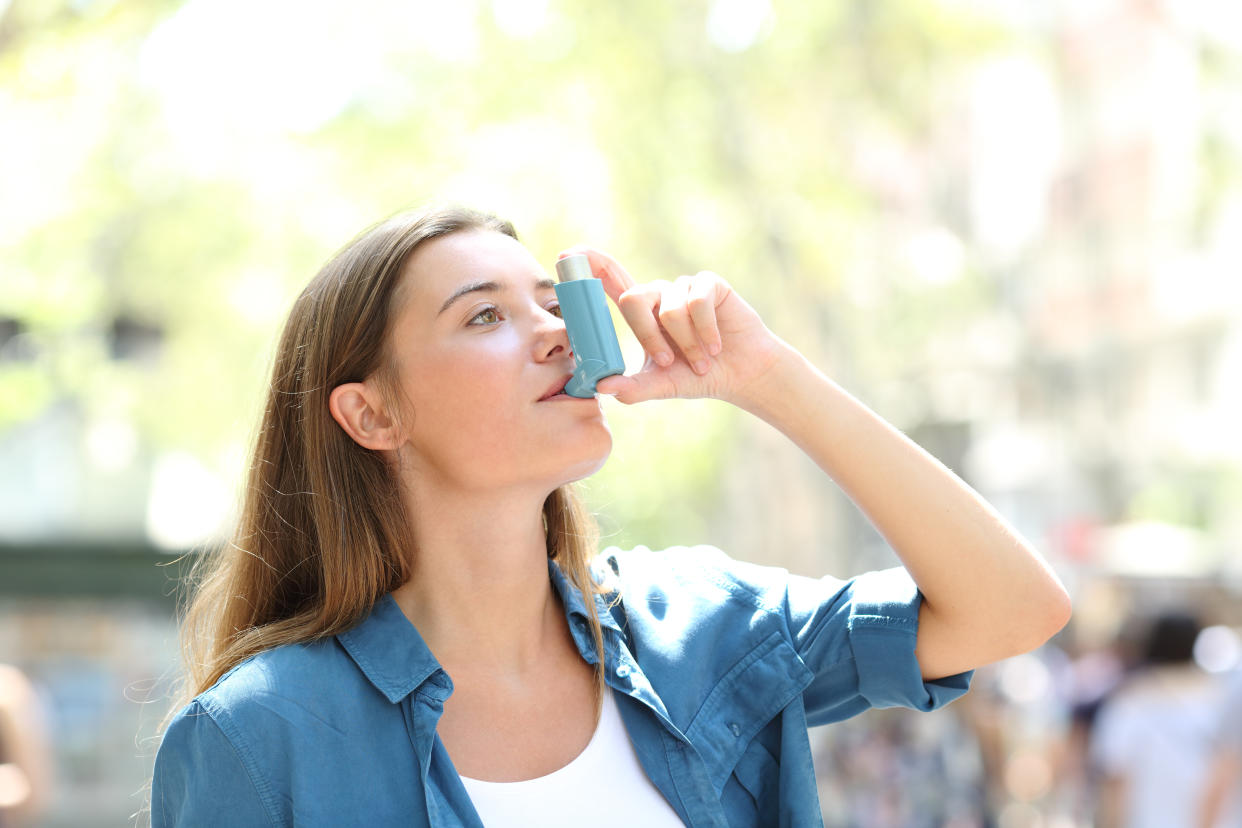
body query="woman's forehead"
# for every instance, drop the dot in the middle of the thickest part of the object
(441, 266)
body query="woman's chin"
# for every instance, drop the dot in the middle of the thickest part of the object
(599, 464)
(588, 465)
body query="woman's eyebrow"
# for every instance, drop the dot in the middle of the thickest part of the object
(477, 287)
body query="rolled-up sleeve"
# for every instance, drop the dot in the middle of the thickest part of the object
(200, 777)
(858, 637)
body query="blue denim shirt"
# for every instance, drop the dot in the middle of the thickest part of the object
(718, 668)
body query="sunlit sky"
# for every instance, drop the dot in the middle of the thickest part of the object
(230, 67)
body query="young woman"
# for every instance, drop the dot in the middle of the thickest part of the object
(412, 625)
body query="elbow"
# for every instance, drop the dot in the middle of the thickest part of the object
(1053, 613)
(1062, 611)
(1034, 626)
(1046, 605)
(1035, 617)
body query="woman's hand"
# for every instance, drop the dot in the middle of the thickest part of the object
(700, 337)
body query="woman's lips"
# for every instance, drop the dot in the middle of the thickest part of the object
(557, 390)
(564, 396)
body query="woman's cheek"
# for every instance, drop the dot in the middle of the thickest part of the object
(483, 383)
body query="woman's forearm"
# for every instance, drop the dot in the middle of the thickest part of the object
(987, 594)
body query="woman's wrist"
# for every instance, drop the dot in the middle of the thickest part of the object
(773, 392)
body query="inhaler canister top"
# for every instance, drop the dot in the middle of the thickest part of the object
(574, 267)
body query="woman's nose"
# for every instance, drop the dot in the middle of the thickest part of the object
(552, 338)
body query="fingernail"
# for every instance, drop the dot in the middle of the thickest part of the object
(714, 348)
(664, 358)
(701, 366)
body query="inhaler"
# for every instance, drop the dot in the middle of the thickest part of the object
(592, 336)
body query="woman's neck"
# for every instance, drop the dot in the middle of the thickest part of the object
(479, 591)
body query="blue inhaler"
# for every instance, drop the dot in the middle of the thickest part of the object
(597, 354)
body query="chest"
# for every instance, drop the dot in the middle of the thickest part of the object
(607, 770)
(725, 746)
(513, 731)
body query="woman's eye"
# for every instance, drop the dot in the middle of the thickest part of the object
(491, 312)
(556, 309)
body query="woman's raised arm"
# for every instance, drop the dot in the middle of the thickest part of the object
(987, 595)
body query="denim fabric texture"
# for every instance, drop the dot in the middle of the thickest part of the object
(718, 668)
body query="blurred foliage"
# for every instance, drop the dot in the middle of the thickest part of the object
(1202, 497)
(171, 168)
(1220, 163)
(145, 186)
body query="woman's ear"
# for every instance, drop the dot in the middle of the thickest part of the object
(358, 408)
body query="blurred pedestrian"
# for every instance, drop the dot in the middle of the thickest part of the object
(1222, 798)
(25, 764)
(1152, 740)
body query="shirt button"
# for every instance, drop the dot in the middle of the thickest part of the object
(623, 670)
(734, 729)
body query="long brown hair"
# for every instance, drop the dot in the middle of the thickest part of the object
(322, 533)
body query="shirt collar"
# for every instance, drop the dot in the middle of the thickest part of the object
(393, 656)
(575, 606)
(391, 653)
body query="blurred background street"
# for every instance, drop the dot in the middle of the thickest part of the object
(1014, 229)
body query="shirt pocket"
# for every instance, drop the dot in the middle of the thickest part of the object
(753, 693)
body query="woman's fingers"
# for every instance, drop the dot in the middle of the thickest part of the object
(675, 317)
(663, 313)
(639, 306)
(702, 301)
(607, 269)
(637, 303)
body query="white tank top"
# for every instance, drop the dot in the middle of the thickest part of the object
(603, 786)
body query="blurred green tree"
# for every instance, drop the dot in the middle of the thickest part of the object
(175, 172)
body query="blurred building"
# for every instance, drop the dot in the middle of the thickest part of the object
(1091, 184)
(1094, 398)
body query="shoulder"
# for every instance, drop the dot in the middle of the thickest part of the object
(227, 756)
(709, 633)
(220, 757)
(283, 698)
(704, 579)
(699, 574)
(681, 594)
(291, 671)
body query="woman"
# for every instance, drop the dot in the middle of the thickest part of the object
(409, 517)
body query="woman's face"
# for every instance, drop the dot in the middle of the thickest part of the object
(478, 341)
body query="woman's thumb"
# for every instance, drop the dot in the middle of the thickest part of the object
(626, 389)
